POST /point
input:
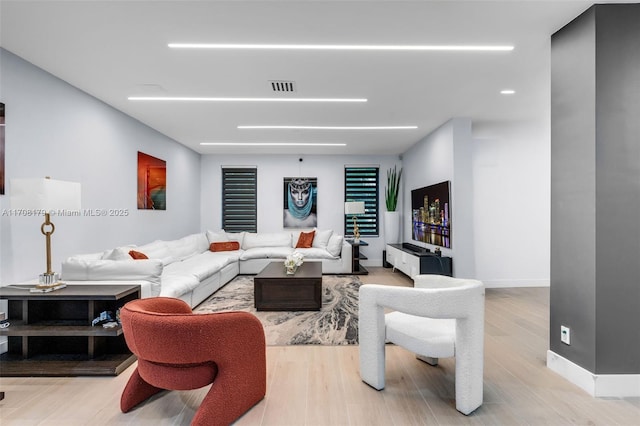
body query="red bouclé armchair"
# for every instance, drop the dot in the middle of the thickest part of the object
(179, 350)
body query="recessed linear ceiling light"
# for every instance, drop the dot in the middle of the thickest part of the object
(204, 99)
(507, 92)
(270, 144)
(332, 127)
(468, 48)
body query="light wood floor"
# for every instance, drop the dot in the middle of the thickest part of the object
(320, 385)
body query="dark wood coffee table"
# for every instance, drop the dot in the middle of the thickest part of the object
(274, 290)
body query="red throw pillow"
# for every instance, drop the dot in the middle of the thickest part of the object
(137, 255)
(225, 246)
(306, 239)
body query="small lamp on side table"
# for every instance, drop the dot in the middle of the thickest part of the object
(44, 196)
(354, 208)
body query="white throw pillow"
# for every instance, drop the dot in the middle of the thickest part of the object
(119, 253)
(334, 246)
(321, 238)
(217, 236)
(295, 236)
(236, 236)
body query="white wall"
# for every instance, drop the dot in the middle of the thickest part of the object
(500, 197)
(54, 129)
(444, 155)
(512, 192)
(272, 169)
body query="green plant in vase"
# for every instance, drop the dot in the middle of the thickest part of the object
(392, 189)
(391, 216)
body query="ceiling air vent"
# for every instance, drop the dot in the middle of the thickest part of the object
(283, 86)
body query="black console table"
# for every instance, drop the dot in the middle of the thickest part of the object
(357, 256)
(414, 260)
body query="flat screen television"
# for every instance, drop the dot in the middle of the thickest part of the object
(431, 214)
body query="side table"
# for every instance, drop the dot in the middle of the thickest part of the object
(51, 333)
(357, 256)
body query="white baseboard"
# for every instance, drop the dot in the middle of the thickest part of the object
(597, 385)
(515, 283)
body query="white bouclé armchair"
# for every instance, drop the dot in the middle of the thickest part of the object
(440, 317)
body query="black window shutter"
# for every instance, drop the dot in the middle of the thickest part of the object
(239, 199)
(361, 184)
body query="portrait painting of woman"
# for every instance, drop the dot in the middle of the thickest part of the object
(300, 202)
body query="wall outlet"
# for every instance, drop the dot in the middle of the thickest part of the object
(565, 335)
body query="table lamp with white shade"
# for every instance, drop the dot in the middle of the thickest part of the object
(44, 196)
(354, 208)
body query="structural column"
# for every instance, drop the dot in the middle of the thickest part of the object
(595, 200)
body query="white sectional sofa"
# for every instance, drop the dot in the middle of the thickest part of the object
(188, 269)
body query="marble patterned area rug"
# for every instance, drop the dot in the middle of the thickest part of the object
(335, 324)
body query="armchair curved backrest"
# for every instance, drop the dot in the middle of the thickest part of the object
(440, 317)
(180, 350)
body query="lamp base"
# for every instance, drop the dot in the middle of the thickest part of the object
(49, 280)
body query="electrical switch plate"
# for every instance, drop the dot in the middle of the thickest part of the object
(565, 334)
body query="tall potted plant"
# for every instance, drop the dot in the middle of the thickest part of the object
(391, 216)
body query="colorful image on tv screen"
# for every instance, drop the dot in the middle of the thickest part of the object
(431, 215)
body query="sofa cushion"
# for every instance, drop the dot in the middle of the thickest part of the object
(201, 266)
(76, 269)
(236, 236)
(266, 253)
(279, 239)
(177, 284)
(228, 256)
(157, 250)
(315, 253)
(305, 240)
(321, 238)
(334, 246)
(217, 236)
(225, 246)
(188, 246)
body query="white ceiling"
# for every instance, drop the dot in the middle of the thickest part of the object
(116, 49)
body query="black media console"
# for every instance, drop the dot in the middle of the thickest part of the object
(413, 260)
(414, 249)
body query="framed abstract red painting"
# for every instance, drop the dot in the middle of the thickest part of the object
(152, 182)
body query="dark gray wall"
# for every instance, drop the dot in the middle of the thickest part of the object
(595, 189)
(573, 186)
(618, 189)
